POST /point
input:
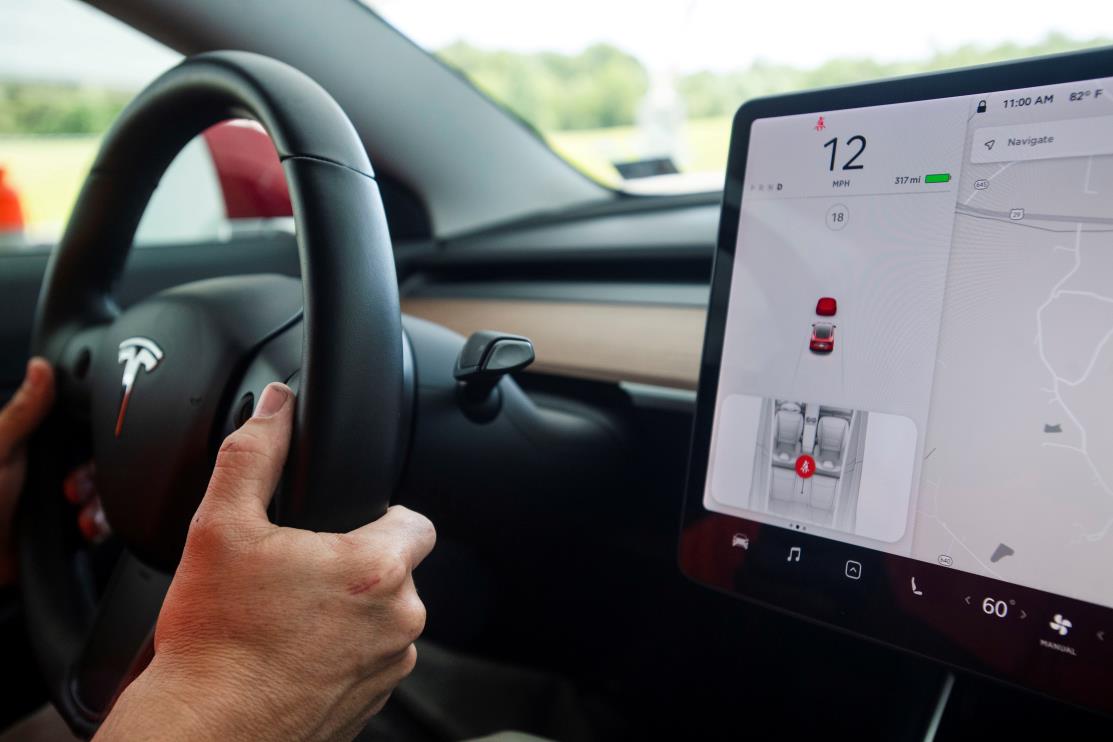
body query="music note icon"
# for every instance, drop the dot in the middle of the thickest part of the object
(793, 554)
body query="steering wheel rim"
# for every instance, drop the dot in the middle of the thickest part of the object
(351, 413)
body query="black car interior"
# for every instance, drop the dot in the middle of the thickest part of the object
(553, 453)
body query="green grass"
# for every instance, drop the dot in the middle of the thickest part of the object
(46, 172)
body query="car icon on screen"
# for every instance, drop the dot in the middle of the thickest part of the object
(826, 306)
(823, 337)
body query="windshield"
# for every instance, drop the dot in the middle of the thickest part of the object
(639, 95)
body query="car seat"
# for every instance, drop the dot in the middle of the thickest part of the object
(830, 438)
(789, 424)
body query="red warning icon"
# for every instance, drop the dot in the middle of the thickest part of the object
(805, 466)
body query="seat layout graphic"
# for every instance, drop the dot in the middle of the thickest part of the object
(808, 462)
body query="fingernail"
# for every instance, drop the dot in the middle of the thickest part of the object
(273, 400)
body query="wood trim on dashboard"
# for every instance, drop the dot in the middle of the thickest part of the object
(646, 343)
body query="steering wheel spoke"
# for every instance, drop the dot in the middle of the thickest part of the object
(119, 644)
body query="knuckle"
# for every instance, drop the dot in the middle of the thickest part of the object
(380, 574)
(207, 535)
(393, 570)
(411, 616)
(239, 446)
(415, 520)
(243, 458)
(425, 528)
(408, 661)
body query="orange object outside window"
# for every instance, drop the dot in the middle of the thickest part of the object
(11, 213)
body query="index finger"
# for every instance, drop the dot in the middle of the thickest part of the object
(410, 533)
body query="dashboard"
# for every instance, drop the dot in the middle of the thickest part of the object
(903, 427)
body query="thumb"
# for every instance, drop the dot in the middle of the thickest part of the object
(250, 461)
(27, 407)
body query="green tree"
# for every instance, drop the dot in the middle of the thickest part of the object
(603, 85)
(50, 108)
(599, 87)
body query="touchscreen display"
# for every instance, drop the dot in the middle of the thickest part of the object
(916, 367)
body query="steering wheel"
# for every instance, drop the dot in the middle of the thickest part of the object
(151, 391)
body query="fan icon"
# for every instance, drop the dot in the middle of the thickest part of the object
(1060, 624)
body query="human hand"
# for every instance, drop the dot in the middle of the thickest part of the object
(270, 632)
(18, 419)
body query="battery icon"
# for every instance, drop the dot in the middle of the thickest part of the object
(937, 178)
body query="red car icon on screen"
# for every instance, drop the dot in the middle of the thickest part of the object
(826, 306)
(823, 338)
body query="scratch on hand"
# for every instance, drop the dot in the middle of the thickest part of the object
(363, 586)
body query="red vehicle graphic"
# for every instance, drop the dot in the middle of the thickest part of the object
(823, 338)
(826, 307)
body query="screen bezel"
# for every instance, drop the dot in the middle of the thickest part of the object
(873, 609)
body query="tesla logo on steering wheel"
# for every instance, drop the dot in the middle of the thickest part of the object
(135, 353)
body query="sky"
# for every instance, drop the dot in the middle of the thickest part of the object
(720, 35)
(67, 40)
